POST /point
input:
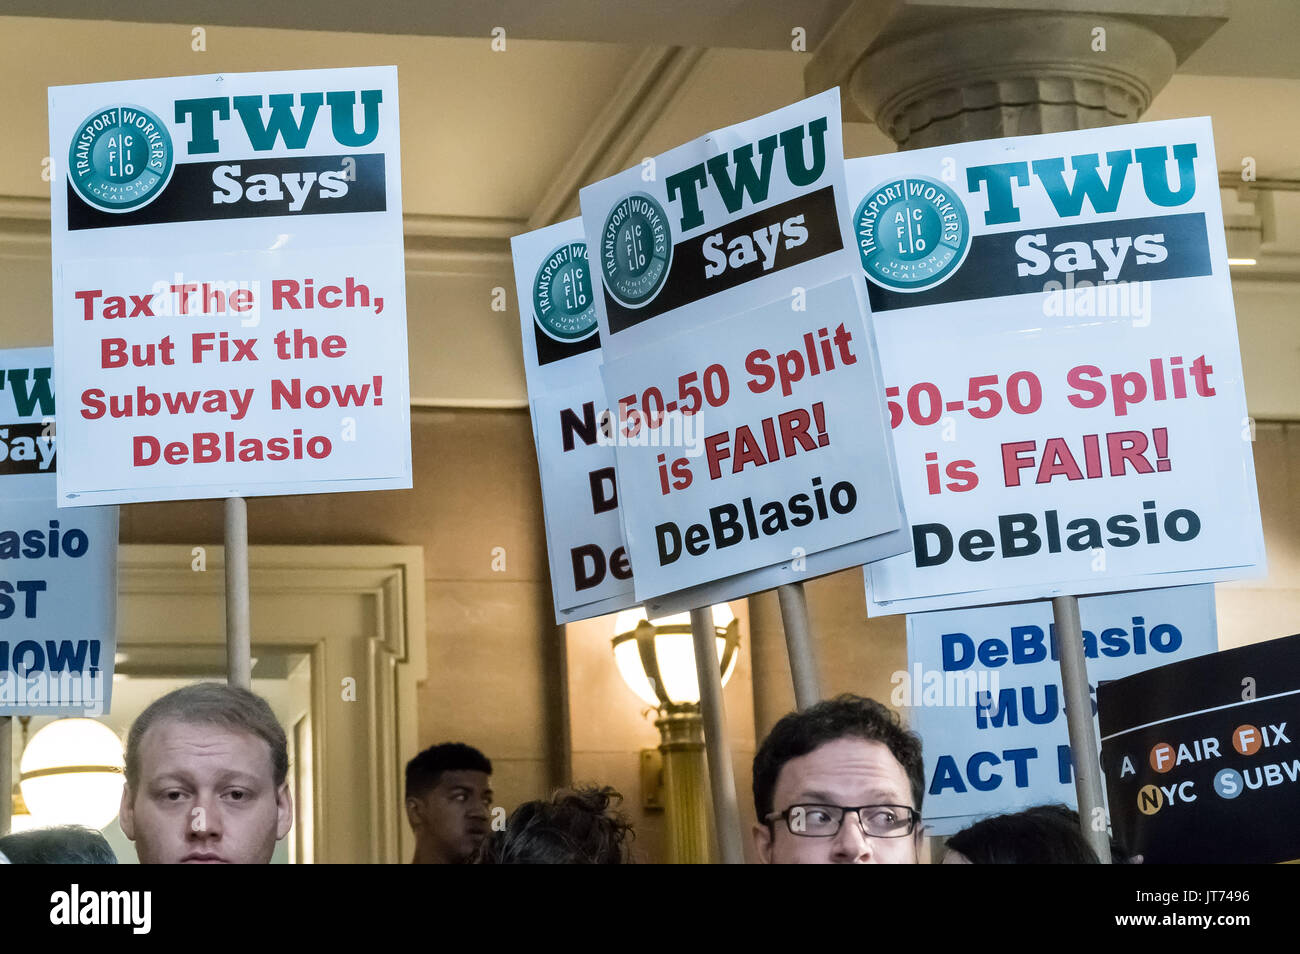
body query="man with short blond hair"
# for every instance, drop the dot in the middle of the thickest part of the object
(206, 778)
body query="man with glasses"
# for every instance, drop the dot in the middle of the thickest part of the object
(839, 783)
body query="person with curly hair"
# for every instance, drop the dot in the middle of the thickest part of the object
(580, 826)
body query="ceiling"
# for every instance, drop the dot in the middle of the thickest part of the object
(1258, 39)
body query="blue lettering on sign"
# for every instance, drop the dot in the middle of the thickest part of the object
(65, 655)
(35, 544)
(947, 774)
(280, 123)
(1029, 644)
(997, 180)
(28, 589)
(1011, 704)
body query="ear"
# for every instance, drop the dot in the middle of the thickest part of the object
(126, 813)
(284, 811)
(763, 843)
(921, 846)
(415, 813)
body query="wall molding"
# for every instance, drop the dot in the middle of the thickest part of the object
(640, 100)
(480, 245)
(441, 244)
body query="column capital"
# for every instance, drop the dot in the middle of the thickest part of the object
(930, 73)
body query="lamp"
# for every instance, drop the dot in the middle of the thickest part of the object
(71, 773)
(656, 659)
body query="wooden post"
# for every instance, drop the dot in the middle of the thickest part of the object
(239, 668)
(798, 642)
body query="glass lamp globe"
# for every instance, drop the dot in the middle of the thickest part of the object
(642, 646)
(72, 774)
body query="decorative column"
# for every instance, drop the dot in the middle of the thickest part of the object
(932, 73)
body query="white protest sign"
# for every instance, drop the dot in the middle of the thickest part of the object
(229, 291)
(590, 571)
(983, 687)
(1060, 354)
(749, 430)
(58, 569)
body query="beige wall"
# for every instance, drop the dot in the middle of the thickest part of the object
(1262, 609)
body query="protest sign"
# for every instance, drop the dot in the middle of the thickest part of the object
(749, 426)
(1201, 759)
(983, 690)
(58, 569)
(590, 571)
(229, 300)
(1059, 346)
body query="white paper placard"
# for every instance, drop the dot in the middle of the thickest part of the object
(724, 254)
(1054, 435)
(983, 690)
(229, 291)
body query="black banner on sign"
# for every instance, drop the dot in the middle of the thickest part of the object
(1147, 249)
(1202, 757)
(251, 188)
(27, 449)
(687, 281)
(548, 349)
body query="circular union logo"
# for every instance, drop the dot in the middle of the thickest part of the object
(912, 234)
(120, 159)
(635, 250)
(563, 305)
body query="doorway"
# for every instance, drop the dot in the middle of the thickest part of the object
(339, 645)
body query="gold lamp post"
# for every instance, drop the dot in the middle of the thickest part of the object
(656, 659)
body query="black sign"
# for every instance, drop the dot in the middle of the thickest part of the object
(1202, 757)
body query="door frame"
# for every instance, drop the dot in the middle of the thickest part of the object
(358, 611)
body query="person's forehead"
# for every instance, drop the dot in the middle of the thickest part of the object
(464, 778)
(848, 769)
(173, 745)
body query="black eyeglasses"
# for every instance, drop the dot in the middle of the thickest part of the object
(823, 821)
